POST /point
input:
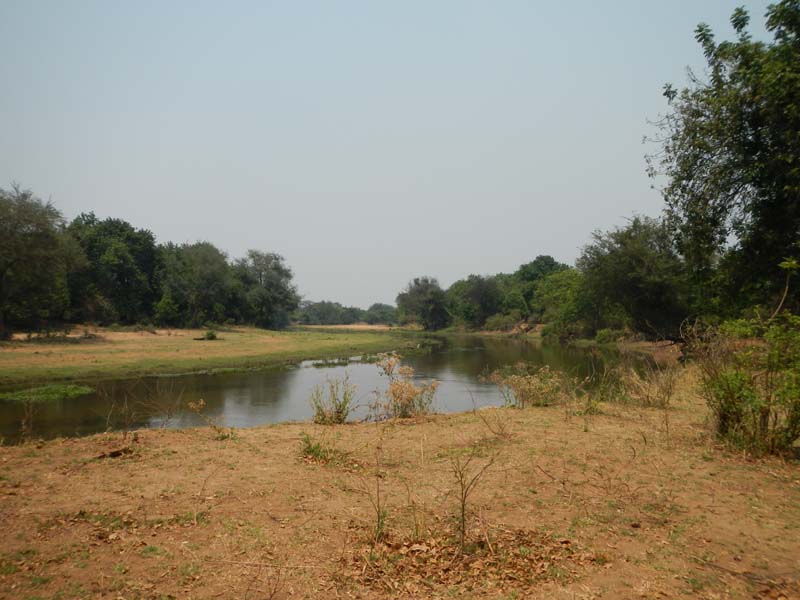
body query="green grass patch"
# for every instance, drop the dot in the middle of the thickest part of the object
(47, 393)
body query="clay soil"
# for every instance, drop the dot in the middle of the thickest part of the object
(621, 504)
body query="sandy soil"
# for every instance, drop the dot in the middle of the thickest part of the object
(616, 505)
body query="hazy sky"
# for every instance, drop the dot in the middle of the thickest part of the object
(367, 142)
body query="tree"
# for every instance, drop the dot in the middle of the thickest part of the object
(474, 299)
(512, 297)
(638, 269)
(561, 303)
(381, 313)
(328, 313)
(35, 257)
(528, 274)
(195, 278)
(119, 280)
(270, 293)
(425, 302)
(730, 150)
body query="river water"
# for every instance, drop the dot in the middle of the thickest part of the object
(246, 399)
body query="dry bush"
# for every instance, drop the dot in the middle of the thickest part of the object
(220, 432)
(467, 471)
(403, 398)
(496, 421)
(650, 386)
(524, 385)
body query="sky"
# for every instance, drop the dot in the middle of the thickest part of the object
(367, 142)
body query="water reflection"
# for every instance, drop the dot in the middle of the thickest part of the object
(278, 395)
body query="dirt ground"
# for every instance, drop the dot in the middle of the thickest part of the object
(628, 503)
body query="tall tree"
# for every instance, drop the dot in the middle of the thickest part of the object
(270, 293)
(424, 301)
(731, 156)
(474, 299)
(530, 273)
(119, 279)
(35, 257)
(195, 283)
(637, 268)
(381, 313)
(561, 303)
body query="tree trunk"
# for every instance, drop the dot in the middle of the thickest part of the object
(5, 328)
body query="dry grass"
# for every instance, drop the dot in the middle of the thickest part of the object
(612, 512)
(113, 353)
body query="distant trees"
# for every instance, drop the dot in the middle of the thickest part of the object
(383, 314)
(197, 280)
(423, 301)
(199, 284)
(498, 301)
(328, 313)
(474, 299)
(529, 274)
(36, 257)
(333, 313)
(561, 303)
(107, 271)
(269, 291)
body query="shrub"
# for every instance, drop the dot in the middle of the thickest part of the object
(318, 452)
(752, 386)
(525, 385)
(403, 398)
(608, 336)
(503, 322)
(333, 408)
(210, 335)
(650, 386)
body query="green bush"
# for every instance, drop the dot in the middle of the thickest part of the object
(210, 335)
(333, 408)
(47, 393)
(503, 322)
(753, 386)
(608, 336)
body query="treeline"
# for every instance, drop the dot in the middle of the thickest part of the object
(727, 245)
(627, 279)
(333, 313)
(497, 302)
(107, 271)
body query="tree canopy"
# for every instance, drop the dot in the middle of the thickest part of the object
(423, 301)
(730, 151)
(35, 259)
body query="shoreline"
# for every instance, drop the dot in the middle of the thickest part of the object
(615, 503)
(107, 354)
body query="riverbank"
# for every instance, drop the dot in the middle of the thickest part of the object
(620, 504)
(98, 353)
